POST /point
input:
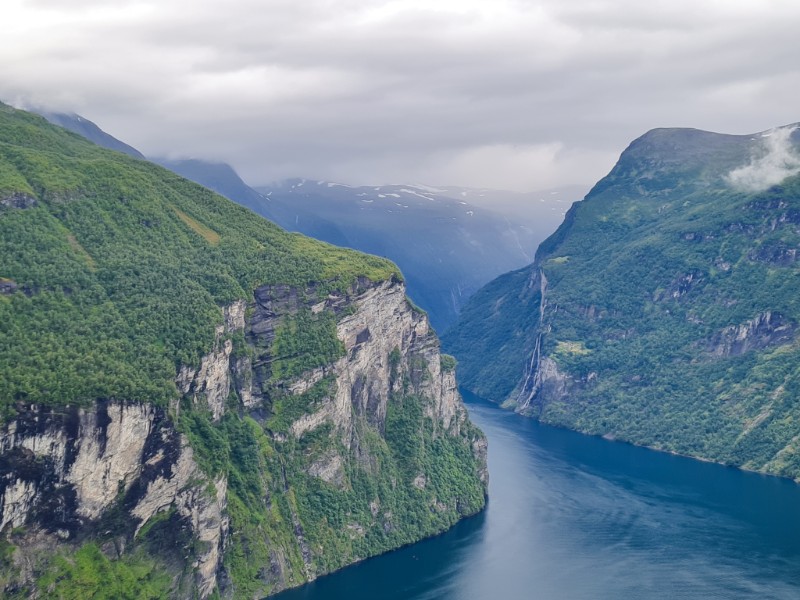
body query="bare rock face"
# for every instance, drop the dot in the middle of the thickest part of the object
(62, 470)
(764, 330)
(17, 200)
(210, 384)
(7, 286)
(381, 322)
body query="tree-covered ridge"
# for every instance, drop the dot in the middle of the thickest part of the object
(670, 310)
(114, 269)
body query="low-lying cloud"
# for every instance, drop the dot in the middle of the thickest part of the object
(511, 93)
(777, 161)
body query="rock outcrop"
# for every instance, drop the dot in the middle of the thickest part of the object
(764, 330)
(64, 469)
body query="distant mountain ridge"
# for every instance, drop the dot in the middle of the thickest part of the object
(449, 241)
(446, 245)
(221, 178)
(89, 130)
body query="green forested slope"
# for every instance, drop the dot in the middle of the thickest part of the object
(671, 307)
(122, 267)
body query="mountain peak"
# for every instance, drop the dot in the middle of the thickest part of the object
(82, 126)
(668, 160)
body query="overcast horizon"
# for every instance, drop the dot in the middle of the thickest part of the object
(505, 94)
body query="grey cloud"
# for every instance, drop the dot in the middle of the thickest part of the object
(514, 94)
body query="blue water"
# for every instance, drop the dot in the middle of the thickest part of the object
(577, 517)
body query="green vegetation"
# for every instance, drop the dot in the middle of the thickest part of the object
(88, 573)
(287, 408)
(494, 334)
(305, 341)
(666, 260)
(112, 280)
(372, 506)
(122, 266)
(448, 362)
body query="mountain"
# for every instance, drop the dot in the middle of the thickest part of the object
(448, 241)
(664, 311)
(196, 403)
(221, 178)
(86, 128)
(446, 246)
(539, 206)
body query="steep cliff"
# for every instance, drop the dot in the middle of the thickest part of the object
(195, 402)
(664, 310)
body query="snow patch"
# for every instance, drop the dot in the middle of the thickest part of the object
(413, 193)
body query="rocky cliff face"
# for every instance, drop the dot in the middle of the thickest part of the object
(66, 472)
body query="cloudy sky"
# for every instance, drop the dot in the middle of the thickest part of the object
(515, 94)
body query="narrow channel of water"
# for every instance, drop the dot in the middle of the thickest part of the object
(574, 517)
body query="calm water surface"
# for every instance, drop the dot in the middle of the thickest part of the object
(577, 517)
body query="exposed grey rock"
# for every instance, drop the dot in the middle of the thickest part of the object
(365, 377)
(17, 200)
(764, 330)
(211, 382)
(776, 253)
(66, 468)
(329, 468)
(7, 286)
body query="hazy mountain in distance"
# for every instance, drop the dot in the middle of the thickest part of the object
(221, 178)
(89, 130)
(446, 246)
(524, 205)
